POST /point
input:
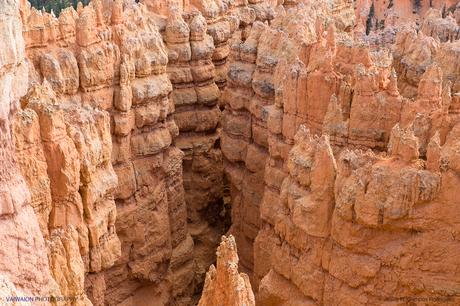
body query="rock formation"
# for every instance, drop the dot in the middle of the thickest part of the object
(113, 109)
(257, 79)
(333, 124)
(415, 51)
(24, 267)
(68, 147)
(105, 81)
(348, 93)
(197, 114)
(224, 285)
(393, 13)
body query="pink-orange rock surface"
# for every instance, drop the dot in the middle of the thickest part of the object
(224, 285)
(324, 136)
(334, 98)
(101, 125)
(24, 265)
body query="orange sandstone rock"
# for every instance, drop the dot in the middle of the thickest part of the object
(122, 124)
(24, 266)
(224, 285)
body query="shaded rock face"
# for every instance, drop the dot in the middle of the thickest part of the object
(198, 43)
(197, 114)
(122, 124)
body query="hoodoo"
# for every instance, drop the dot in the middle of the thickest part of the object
(229, 152)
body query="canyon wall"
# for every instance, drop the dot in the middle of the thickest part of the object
(24, 266)
(104, 113)
(352, 167)
(197, 38)
(123, 125)
(197, 114)
(132, 209)
(250, 114)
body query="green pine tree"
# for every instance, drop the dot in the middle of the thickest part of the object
(55, 5)
(369, 18)
(65, 4)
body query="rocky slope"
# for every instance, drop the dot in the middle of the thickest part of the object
(123, 124)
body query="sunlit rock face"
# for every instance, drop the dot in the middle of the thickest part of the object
(224, 285)
(127, 209)
(322, 136)
(347, 130)
(105, 175)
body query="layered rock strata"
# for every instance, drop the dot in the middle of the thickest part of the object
(255, 84)
(25, 269)
(341, 153)
(197, 114)
(111, 66)
(197, 38)
(307, 244)
(111, 58)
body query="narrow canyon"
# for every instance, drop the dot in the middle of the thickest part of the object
(230, 152)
